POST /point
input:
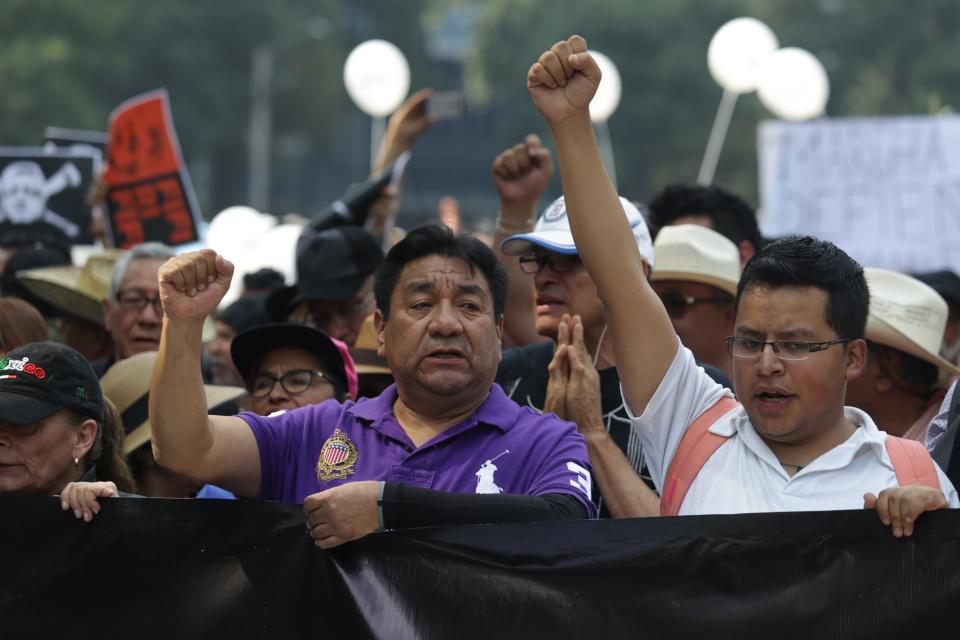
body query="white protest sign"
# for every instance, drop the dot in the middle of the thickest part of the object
(886, 190)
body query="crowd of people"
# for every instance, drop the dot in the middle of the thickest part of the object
(602, 359)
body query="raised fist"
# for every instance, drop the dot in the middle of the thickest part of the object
(563, 80)
(522, 172)
(192, 284)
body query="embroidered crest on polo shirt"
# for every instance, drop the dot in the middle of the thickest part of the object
(337, 457)
(485, 483)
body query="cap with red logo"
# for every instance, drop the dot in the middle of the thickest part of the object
(41, 378)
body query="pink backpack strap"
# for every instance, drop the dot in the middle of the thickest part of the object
(912, 463)
(696, 447)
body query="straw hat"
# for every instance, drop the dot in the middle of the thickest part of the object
(364, 352)
(77, 291)
(907, 315)
(127, 384)
(693, 253)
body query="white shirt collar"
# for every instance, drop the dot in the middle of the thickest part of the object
(866, 436)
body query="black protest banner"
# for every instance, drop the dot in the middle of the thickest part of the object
(149, 193)
(43, 196)
(246, 569)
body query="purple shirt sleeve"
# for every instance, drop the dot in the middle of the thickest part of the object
(566, 466)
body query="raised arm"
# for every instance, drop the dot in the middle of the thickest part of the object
(521, 174)
(217, 449)
(406, 126)
(562, 82)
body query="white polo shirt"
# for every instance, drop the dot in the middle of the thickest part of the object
(744, 475)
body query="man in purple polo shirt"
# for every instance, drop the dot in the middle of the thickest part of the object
(444, 445)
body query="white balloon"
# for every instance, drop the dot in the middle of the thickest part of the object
(277, 249)
(737, 51)
(377, 77)
(793, 85)
(607, 98)
(233, 233)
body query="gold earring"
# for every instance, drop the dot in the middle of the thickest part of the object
(76, 462)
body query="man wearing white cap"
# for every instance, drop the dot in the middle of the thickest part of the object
(900, 384)
(696, 276)
(576, 378)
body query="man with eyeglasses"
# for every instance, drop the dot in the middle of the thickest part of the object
(287, 366)
(131, 310)
(801, 310)
(696, 276)
(547, 283)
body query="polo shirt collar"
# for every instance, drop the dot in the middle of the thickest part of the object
(866, 436)
(497, 410)
(376, 408)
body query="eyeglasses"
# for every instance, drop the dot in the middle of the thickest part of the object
(133, 300)
(293, 382)
(677, 304)
(785, 349)
(533, 263)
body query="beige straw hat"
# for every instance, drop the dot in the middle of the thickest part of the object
(365, 357)
(127, 384)
(74, 290)
(693, 253)
(907, 315)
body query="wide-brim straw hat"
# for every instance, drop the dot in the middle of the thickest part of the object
(77, 291)
(694, 253)
(907, 315)
(127, 384)
(364, 352)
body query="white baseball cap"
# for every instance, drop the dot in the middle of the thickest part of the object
(907, 315)
(553, 232)
(694, 253)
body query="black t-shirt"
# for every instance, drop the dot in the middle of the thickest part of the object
(523, 375)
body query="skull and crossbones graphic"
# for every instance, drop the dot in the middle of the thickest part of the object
(25, 190)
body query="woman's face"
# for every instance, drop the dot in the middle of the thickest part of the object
(38, 458)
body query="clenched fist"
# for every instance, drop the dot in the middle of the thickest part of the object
(192, 284)
(563, 80)
(522, 173)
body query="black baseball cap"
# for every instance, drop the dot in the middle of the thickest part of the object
(40, 378)
(332, 264)
(249, 347)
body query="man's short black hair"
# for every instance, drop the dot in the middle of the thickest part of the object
(439, 240)
(732, 217)
(805, 261)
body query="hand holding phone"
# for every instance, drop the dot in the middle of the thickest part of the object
(447, 105)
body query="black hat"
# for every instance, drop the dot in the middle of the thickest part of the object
(946, 283)
(249, 311)
(41, 378)
(249, 347)
(331, 265)
(265, 279)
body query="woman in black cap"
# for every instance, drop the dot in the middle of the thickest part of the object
(51, 424)
(287, 366)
